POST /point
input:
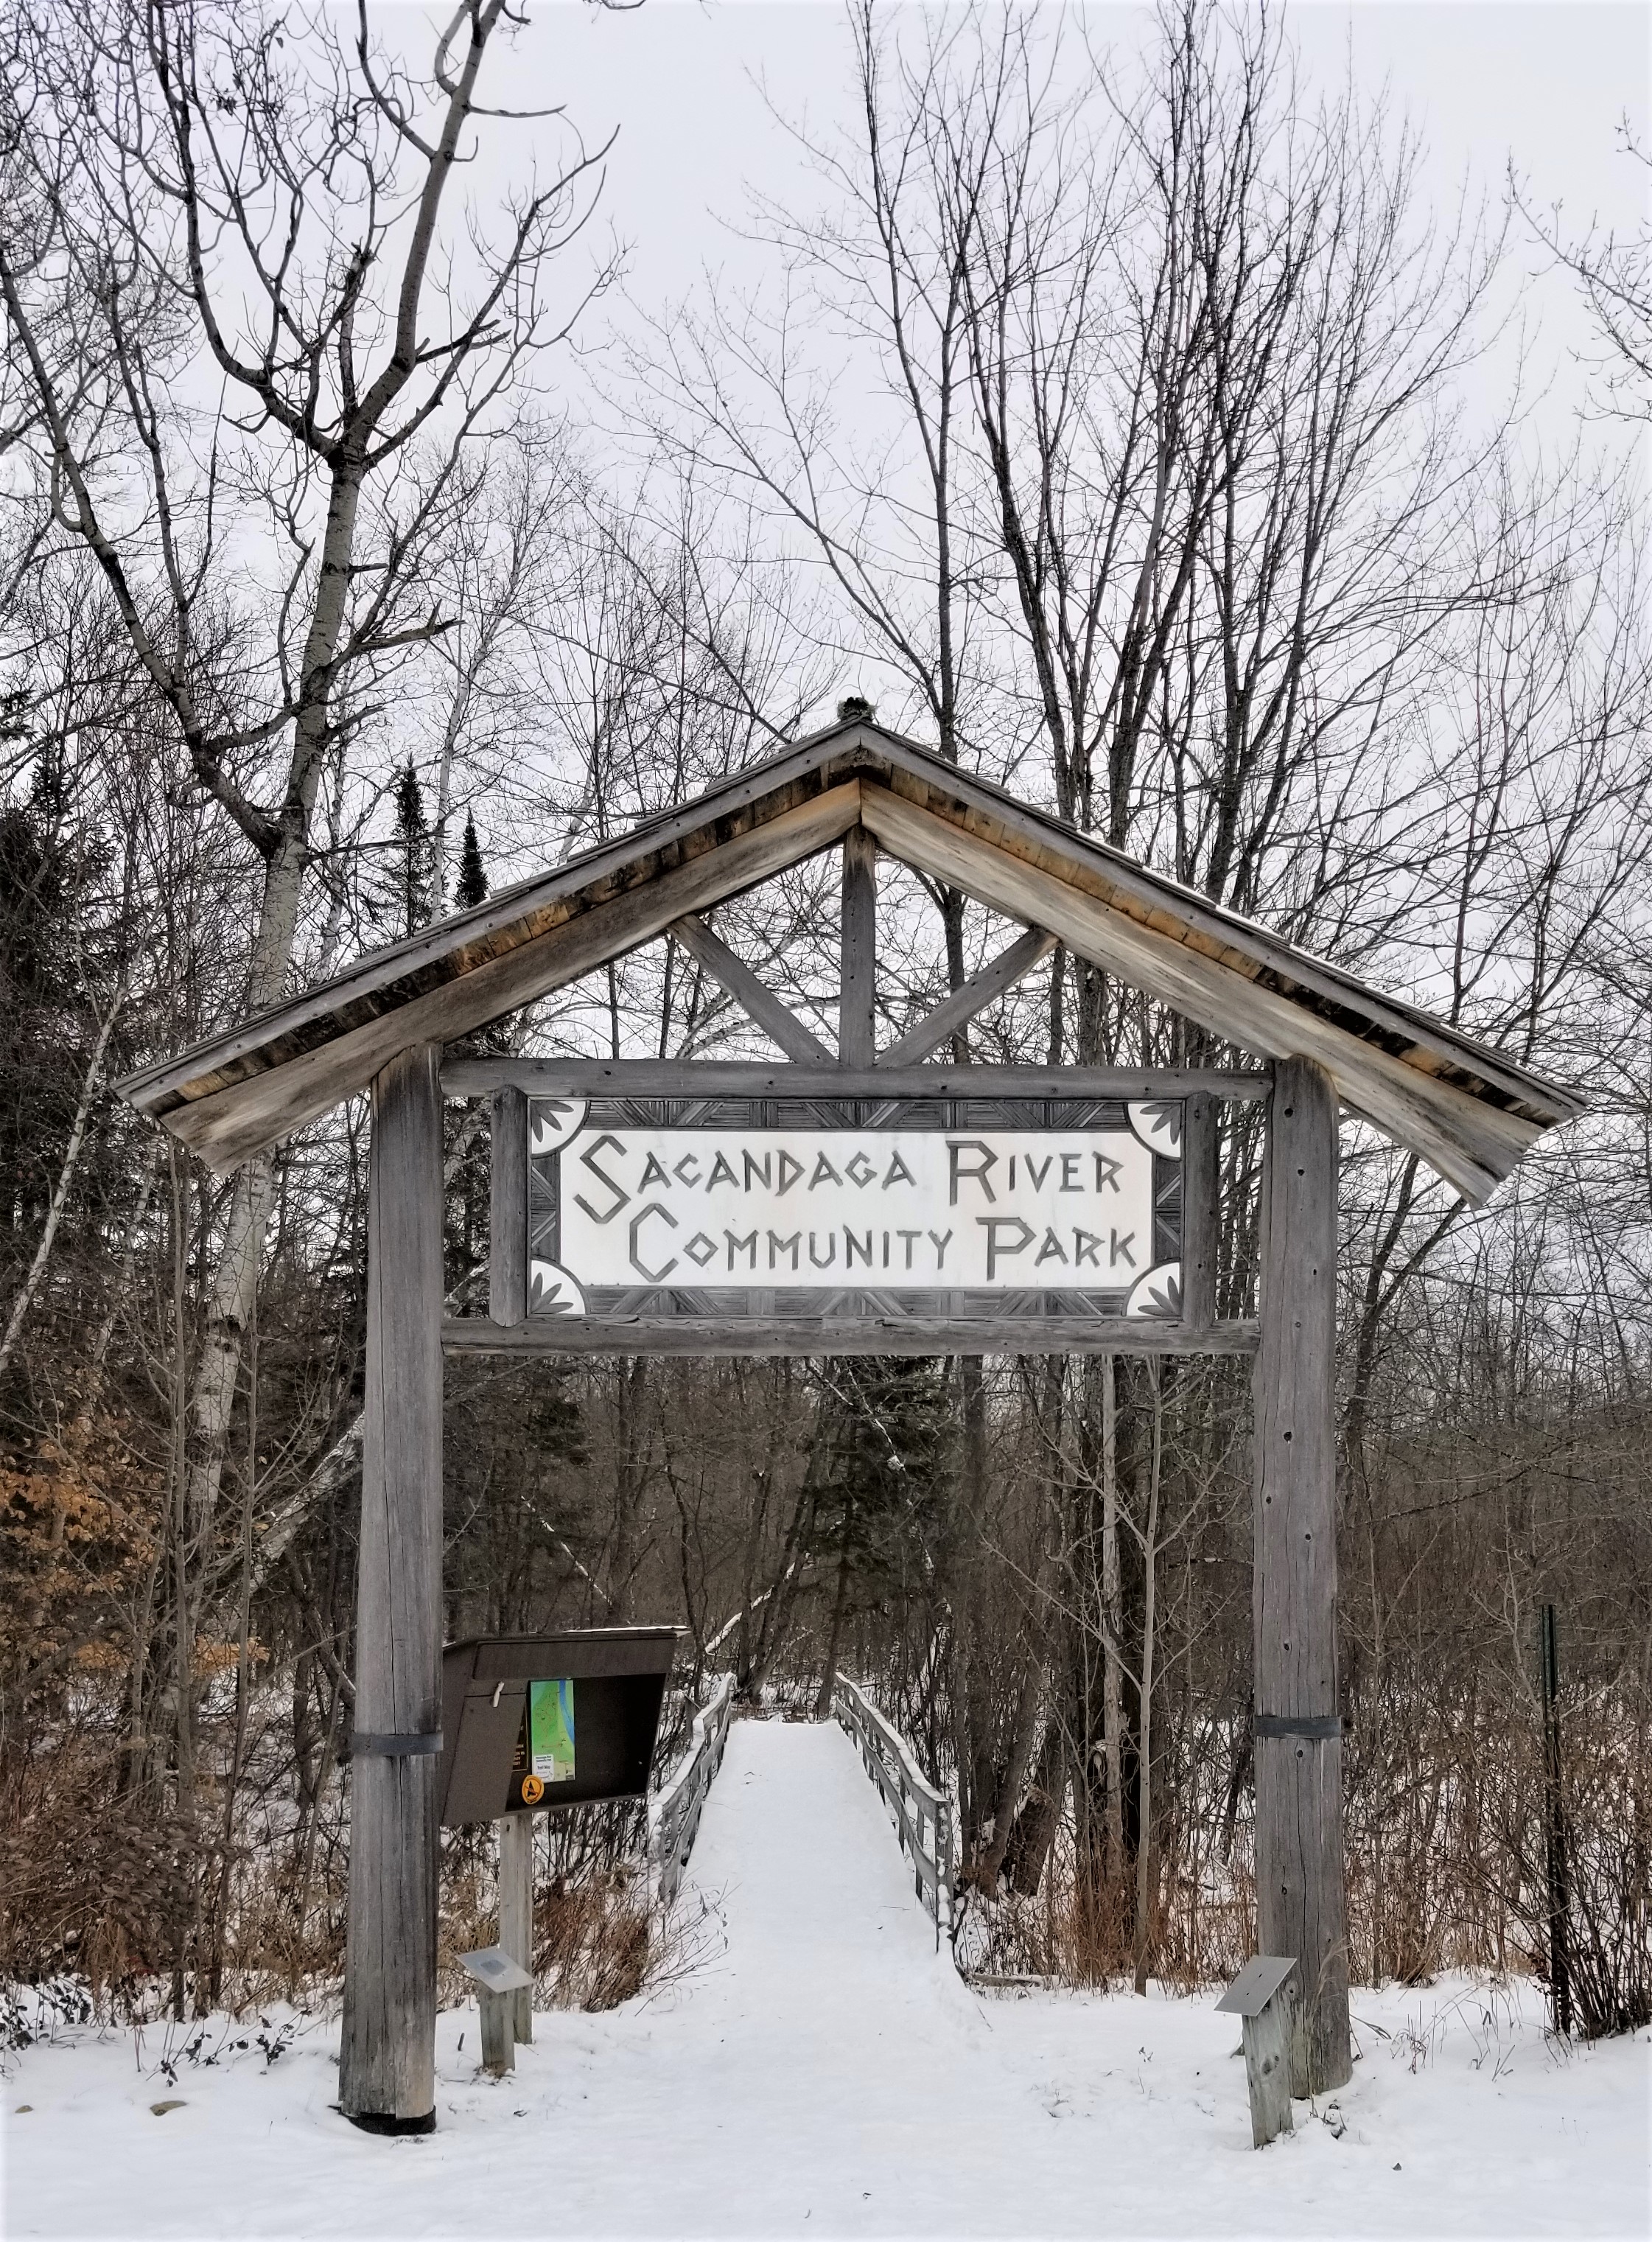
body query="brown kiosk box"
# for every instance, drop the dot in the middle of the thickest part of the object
(618, 1675)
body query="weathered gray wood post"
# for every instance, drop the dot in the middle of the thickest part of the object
(516, 1914)
(507, 1256)
(498, 2040)
(387, 2070)
(1300, 1901)
(857, 1000)
(1261, 1996)
(1200, 1211)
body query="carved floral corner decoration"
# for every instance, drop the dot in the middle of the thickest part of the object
(1157, 1124)
(1156, 1294)
(552, 1122)
(552, 1291)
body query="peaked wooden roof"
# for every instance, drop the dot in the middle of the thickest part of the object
(1470, 1113)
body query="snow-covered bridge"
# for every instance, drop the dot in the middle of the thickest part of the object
(818, 2070)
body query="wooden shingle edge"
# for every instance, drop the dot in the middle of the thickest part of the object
(1470, 1110)
(1228, 937)
(240, 1119)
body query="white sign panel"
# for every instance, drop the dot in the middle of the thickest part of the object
(991, 1210)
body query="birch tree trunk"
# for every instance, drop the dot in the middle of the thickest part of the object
(142, 178)
(31, 1282)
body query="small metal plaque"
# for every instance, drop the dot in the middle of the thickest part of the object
(493, 1968)
(1256, 1985)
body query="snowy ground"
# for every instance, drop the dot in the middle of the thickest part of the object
(820, 2072)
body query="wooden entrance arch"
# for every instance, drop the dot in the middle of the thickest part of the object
(1323, 1042)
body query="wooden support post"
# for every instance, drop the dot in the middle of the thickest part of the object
(857, 1004)
(1268, 2070)
(1199, 1224)
(516, 1915)
(507, 1248)
(1299, 1899)
(498, 2041)
(387, 2068)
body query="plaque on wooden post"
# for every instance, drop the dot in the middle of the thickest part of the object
(500, 1981)
(1262, 1997)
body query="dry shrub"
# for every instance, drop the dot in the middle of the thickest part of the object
(1606, 1804)
(1081, 1932)
(88, 1883)
(142, 1914)
(593, 1943)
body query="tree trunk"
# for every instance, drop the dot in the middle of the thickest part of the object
(1144, 1750)
(1034, 1831)
(839, 1603)
(990, 1865)
(65, 1177)
(1112, 1616)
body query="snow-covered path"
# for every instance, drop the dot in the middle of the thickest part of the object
(821, 2071)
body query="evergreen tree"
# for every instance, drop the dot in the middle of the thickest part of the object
(472, 880)
(468, 1191)
(46, 1029)
(415, 856)
(886, 1444)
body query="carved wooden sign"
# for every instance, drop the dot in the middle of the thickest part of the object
(819, 1206)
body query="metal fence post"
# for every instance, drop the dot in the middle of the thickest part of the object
(1560, 1959)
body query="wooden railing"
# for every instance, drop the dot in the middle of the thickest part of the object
(923, 1816)
(676, 1815)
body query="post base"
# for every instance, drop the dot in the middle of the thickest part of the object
(374, 2121)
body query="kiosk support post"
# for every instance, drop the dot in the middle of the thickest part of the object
(516, 1915)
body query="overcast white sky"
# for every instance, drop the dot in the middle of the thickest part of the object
(1544, 85)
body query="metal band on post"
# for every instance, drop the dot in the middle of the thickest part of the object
(1298, 1724)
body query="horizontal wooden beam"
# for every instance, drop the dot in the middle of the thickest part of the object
(698, 1077)
(760, 1335)
(778, 1021)
(955, 1011)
